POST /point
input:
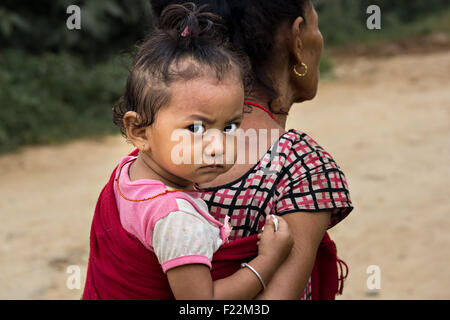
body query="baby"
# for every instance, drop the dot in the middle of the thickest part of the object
(187, 81)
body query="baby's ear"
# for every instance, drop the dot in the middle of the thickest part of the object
(136, 133)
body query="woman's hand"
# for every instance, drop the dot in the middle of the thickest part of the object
(193, 281)
(292, 276)
(275, 242)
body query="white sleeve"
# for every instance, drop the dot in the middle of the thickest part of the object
(185, 237)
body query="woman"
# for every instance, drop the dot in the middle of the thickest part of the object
(284, 44)
(295, 178)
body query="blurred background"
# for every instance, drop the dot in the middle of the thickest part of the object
(382, 111)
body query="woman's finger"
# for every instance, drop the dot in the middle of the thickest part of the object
(282, 224)
(268, 226)
(275, 222)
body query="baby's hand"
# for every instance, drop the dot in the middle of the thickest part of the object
(275, 245)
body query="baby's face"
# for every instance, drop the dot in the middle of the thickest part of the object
(193, 137)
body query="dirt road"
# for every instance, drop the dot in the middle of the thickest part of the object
(385, 121)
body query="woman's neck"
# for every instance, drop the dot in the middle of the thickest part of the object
(279, 107)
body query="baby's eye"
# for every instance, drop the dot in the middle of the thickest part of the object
(232, 127)
(197, 128)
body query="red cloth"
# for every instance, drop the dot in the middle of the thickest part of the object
(121, 268)
(326, 281)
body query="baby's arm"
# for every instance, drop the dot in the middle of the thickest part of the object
(193, 281)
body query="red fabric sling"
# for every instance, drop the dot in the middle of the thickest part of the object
(121, 268)
(326, 281)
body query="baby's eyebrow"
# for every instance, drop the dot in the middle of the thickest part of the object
(237, 117)
(201, 118)
(207, 120)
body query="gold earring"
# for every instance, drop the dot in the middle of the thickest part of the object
(301, 74)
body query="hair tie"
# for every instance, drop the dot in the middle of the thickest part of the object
(185, 32)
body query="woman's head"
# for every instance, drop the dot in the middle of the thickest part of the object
(185, 79)
(276, 36)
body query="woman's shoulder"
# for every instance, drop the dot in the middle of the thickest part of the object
(297, 153)
(310, 179)
(300, 144)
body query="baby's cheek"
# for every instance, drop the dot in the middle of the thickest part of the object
(231, 152)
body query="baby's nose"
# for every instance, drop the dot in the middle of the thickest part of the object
(214, 144)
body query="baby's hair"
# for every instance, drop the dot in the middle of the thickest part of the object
(188, 43)
(253, 25)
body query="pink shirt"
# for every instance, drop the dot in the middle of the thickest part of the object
(176, 226)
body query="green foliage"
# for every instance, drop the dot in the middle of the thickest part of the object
(344, 21)
(107, 26)
(405, 11)
(52, 98)
(58, 84)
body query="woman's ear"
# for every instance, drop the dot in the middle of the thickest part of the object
(296, 43)
(136, 133)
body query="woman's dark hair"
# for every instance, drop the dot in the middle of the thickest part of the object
(252, 26)
(188, 43)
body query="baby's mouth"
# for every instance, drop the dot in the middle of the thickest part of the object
(212, 166)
